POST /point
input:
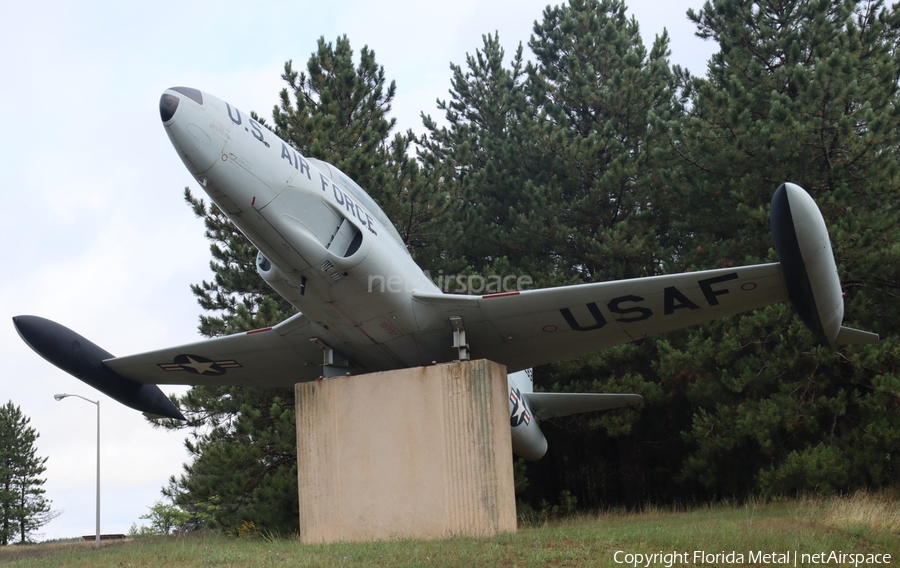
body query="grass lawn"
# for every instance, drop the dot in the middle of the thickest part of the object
(798, 529)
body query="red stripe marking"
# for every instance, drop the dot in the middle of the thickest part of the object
(500, 295)
(258, 330)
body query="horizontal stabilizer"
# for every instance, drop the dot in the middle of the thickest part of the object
(553, 404)
(850, 336)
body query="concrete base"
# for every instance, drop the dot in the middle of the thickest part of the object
(414, 453)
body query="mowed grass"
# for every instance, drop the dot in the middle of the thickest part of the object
(861, 525)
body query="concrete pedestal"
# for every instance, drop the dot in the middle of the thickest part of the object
(414, 453)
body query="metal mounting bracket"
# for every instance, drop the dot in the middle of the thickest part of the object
(459, 337)
(334, 363)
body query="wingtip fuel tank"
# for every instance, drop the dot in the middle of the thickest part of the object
(84, 360)
(804, 249)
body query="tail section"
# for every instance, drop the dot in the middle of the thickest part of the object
(526, 408)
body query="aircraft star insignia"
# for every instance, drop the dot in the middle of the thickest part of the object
(199, 365)
(519, 413)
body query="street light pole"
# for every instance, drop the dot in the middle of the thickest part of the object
(97, 402)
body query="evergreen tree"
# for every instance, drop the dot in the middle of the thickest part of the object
(601, 209)
(587, 165)
(483, 161)
(803, 91)
(557, 168)
(243, 439)
(243, 443)
(23, 507)
(595, 88)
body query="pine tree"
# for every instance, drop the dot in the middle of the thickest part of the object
(557, 168)
(243, 443)
(595, 88)
(483, 161)
(602, 209)
(243, 439)
(23, 507)
(586, 165)
(803, 91)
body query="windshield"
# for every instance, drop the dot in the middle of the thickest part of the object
(361, 196)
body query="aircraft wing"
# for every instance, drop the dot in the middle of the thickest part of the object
(282, 355)
(519, 330)
(530, 328)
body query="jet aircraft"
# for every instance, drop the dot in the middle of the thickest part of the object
(364, 305)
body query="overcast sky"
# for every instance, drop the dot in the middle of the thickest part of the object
(97, 235)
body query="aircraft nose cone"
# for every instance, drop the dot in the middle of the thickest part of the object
(168, 104)
(190, 123)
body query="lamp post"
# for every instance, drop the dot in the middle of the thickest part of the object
(97, 402)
